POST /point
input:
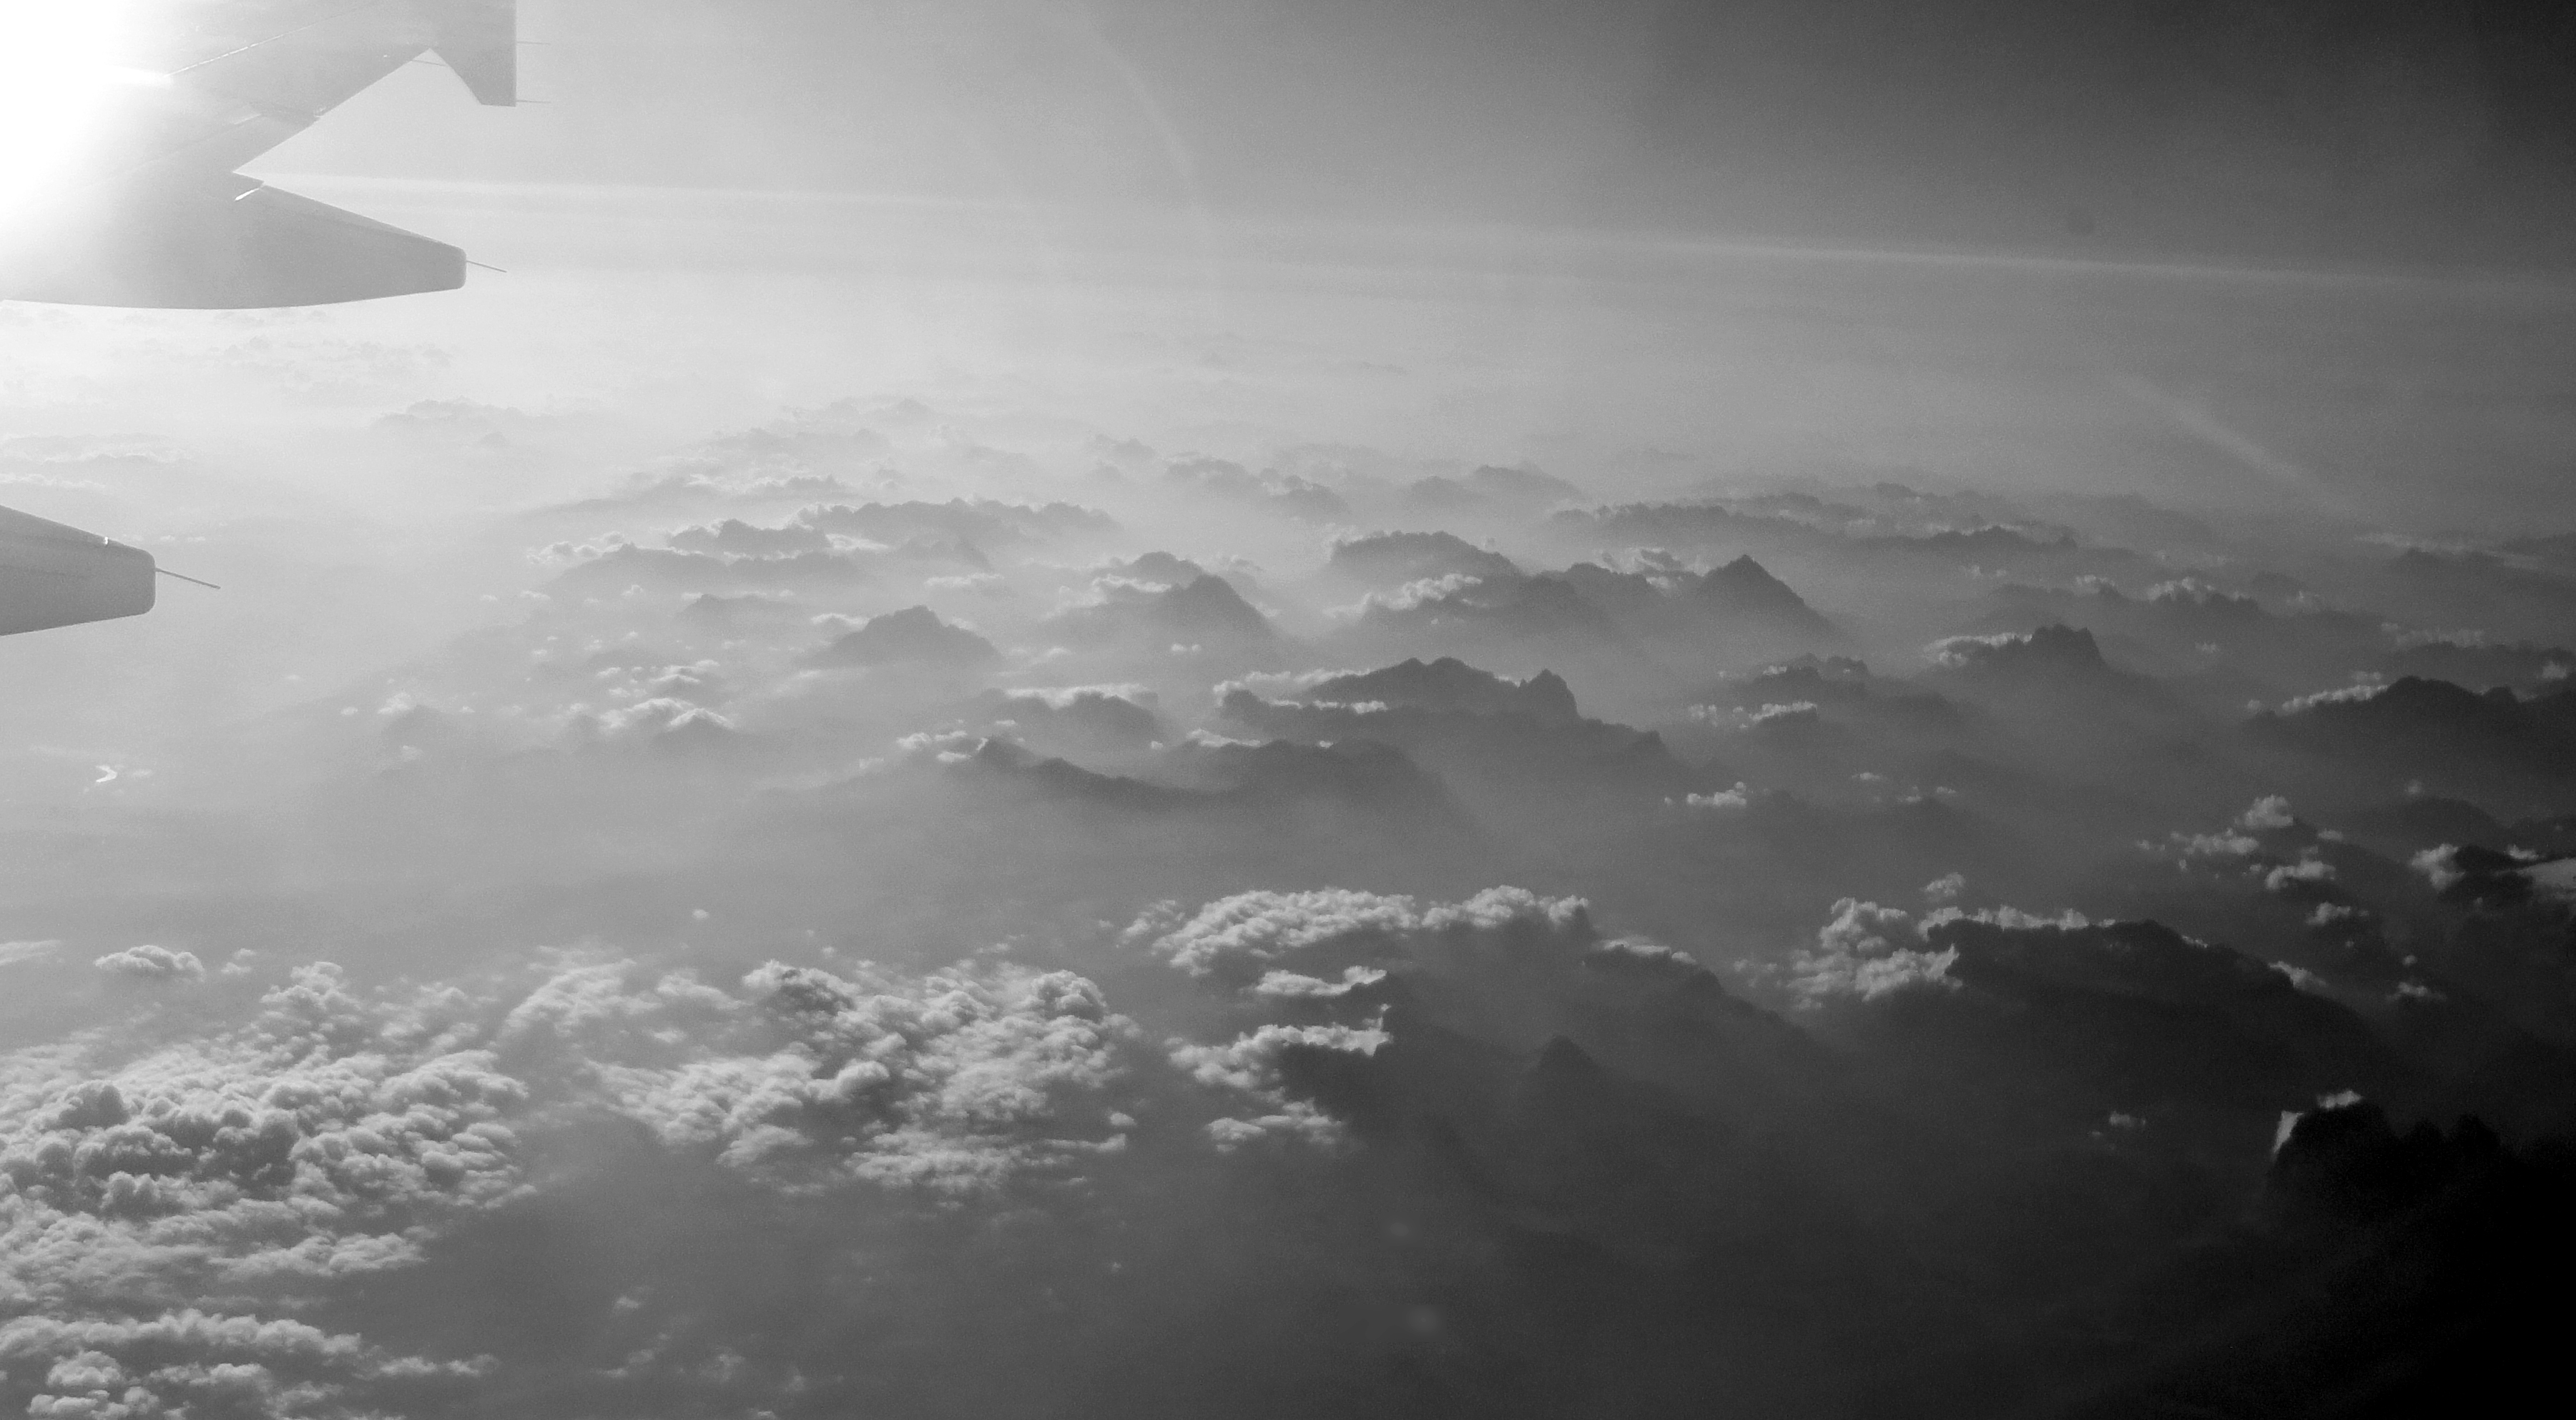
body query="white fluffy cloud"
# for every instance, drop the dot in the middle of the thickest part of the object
(166, 1210)
(191, 1362)
(1236, 937)
(311, 1141)
(1866, 952)
(2266, 814)
(1320, 953)
(11, 952)
(956, 1082)
(145, 1201)
(152, 964)
(1250, 1066)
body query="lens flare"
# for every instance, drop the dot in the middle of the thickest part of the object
(57, 73)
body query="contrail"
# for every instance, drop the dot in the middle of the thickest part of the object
(2195, 419)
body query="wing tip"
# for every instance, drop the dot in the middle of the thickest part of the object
(479, 39)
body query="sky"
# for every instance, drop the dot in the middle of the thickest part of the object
(1352, 709)
(1558, 201)
(2306, 133)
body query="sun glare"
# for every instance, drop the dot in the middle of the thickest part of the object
(57, 71)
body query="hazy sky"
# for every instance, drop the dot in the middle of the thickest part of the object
(1374, 708)
(2304, 131)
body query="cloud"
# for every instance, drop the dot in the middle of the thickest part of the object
(1447, 685)
(662, 720)
(2360, 694)
(1506, 964)
(1867, 952)
(1251, 1065)
(1232, 937)
(161, 1206)
(216, 1154)
(1294, 985)
(956, 1083)
(325, 1139)
(2439, 865)
(2267, 814)
(2287, 877)
(152, 964)
(1256, 928)
(12, 953)
(2047, 655)
(191, 1361)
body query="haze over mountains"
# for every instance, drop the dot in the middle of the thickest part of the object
(1329, 709)
(895, 887)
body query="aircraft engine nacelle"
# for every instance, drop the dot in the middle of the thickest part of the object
(52, 575)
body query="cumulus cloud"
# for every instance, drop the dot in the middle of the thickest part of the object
(2267, 814)
(2348, 695)
(2439, 865)
(1421, 592)
(956, 1082)
(1066, 697)
(191, 1361)
(1295, 985)
(1233, 937)
(159, 1205)
(1505, 962)
(1250, 1065)
(2287, 877)
(1956, 652)
(185, 1223)
(149, 963)
(325, 1139)
(2243, 838)
(660, 720)
(1866, 952)
(223, 1149)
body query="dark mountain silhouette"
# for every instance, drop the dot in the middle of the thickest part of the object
(1286, 494)
(2076, 1020)
(2496, 748)
(912, 636)
(1211, 609)
(1526, 485)
(1084, 720)
(1395, 558)
(2055, 676)
(2388, 1273)
(2411, 825)
(1524, 608)
(1206, 611)
(1449, 684)
(1744, 590)
(2482, 666)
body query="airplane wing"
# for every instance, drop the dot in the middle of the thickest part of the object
(52, 575)
(230, 244)
(154, 213)
(148, 209)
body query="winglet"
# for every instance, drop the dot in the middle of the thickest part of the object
(479, 39)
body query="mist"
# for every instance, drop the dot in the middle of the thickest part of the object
(1300, 709)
